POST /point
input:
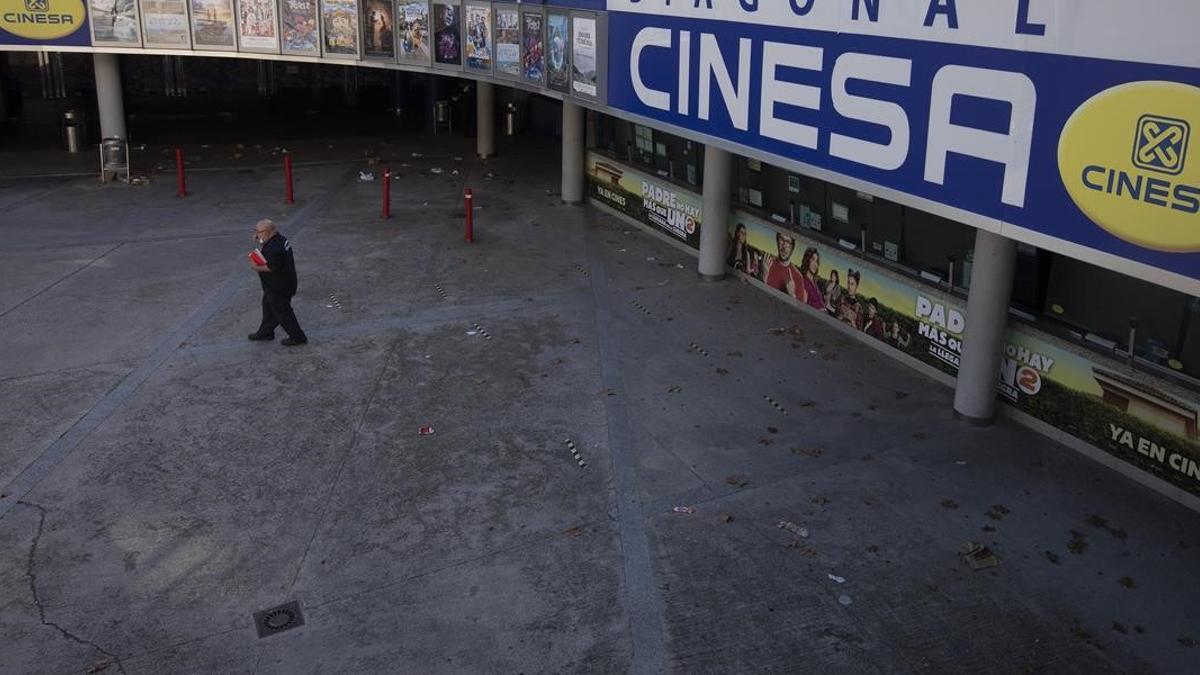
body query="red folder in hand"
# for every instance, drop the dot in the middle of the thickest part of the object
(257, 258)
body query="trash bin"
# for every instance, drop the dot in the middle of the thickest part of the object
(510, 120)
(443, 112)
(114, 158)
(73, 130)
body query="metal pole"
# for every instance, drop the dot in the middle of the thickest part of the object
(469, 205)
(288, 192)
(387, 193)
(181, 178)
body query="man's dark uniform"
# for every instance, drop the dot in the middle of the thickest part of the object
(279, 285)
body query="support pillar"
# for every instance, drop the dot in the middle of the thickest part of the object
(109, 99)
(485, 119)
(714, 218)
(987, 320)
(572, 153)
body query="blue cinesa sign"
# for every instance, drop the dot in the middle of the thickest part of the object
(1068, 124)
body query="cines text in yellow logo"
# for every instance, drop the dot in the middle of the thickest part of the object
(1124, 159)
(41, 19)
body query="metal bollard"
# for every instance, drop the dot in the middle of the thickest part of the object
(180, 177)
(387, 193)
(289, 194)
(469, 205)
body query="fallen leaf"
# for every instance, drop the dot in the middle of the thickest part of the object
(573, 531)
(1127, 582)
(737, 480)
(726, 518)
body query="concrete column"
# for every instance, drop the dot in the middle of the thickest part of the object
(485, 119)
(108, 96)
(572, 153)
(714, 219)
(987, 319)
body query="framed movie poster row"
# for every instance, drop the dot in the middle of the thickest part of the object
(541, 46)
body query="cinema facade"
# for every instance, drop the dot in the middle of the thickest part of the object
(1003, 194)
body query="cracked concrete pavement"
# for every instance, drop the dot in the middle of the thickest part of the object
(162, 478)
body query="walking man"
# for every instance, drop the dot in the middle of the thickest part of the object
(278, 277)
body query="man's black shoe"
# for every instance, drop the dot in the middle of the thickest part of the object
(261, 336)
(292, 342)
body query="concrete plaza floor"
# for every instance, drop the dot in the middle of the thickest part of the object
(162, 479)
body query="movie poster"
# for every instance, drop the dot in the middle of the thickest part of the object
(584, 77)
(479, 38)
(412, 31)
(508, 42)
(558, 46)
(1105, 404)
(212, 24)
(339, 21)
(115, 22)
(165, 24)
(258, 26)
(534, 68)
(447, 34)
(298, 27)
(647, 199)
(379, 41)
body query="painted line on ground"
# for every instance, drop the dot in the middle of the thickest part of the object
(642, 599)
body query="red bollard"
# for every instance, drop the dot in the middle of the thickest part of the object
(387, 193)
(287, 178)
(181, 179)
(469, 205)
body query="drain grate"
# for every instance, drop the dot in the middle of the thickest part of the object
(641, 308)
(278, 619)
(692, 346)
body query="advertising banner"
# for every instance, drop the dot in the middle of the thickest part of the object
(165, 24)
(534, 69)
(447, 34)
(115, 23)
(258, 26)
(558, 47)
(212, 25)
(479, 38)
(299, 27)
(1031, 119)
(412, 31)
(508, 42)
(378, 29)
(1135, 420)
(339, 27)
(648, 200)
(584, 76)
(44, 22)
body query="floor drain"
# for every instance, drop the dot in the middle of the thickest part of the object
(641, 308)
(698, 349)
(278, 619)
(776, 405)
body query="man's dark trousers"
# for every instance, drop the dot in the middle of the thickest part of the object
(277, 311)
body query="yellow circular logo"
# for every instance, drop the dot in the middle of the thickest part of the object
(41, 19)
(1124, 158)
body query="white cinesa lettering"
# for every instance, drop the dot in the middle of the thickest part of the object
(784, 102)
